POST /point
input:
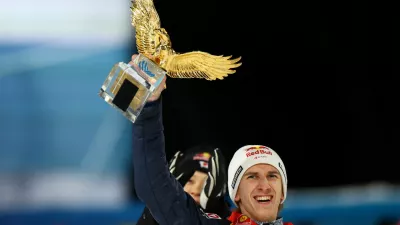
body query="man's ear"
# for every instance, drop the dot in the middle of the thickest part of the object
(237, 197)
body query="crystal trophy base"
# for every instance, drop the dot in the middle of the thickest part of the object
(127, 87)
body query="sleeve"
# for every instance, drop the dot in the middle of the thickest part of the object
(154, 184)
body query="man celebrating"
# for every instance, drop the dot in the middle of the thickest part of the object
(257, 185)
(257, 179)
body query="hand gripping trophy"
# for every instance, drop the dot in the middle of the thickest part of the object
(127, 87)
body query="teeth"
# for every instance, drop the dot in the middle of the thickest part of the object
(263, 198)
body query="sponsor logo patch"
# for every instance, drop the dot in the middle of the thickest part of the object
(238, 171)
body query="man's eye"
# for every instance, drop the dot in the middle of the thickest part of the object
(251, 177)
(273, 176)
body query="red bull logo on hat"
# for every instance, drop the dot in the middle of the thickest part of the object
(203, 159)
(258, 150)
(205, 156)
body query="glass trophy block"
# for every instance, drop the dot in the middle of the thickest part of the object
(127, 87)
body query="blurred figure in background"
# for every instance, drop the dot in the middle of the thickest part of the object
(191, 168)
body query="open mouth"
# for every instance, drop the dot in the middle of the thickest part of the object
(263, 199)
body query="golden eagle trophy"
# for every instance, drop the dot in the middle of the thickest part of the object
(127, 87)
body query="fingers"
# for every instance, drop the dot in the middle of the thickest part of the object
(156, 93)
(133, 58)
(160, 88)
(163, 84)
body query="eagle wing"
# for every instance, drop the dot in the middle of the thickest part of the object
(145, 19)
(198, 64)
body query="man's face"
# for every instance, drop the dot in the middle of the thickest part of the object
(195, 185)
(260, 193)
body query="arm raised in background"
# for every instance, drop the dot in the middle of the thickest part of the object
(154, 184)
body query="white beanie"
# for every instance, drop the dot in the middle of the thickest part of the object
(248, 156)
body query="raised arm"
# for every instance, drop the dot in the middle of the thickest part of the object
(154, 184)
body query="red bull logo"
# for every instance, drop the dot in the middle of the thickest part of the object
(205, 156)
(258, 150)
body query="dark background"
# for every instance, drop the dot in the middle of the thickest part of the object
(318, 85)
